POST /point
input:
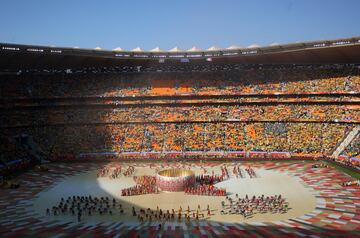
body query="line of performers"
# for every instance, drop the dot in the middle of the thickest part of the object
(114, 172)
(249, 206)
(111, 172)
(144, 215)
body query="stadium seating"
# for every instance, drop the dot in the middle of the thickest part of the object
(184, 109)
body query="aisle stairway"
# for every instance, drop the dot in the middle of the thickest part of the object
(350, 136)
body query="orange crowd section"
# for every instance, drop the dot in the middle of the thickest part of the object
(289, 137)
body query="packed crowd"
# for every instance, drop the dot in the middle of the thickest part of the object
(145, 180)
(182, 113)
(296, 128)
(144, 185)
(205, 190)
(139, 190)
(309, 138)
(204, 179)
(249, 206)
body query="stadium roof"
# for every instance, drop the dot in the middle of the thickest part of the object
(176, 49)
(254, 46)
(137, 49)
(346, 50)
(156, 49)
(214, 48)
(233, 47)
(194, 49)
(118, 49)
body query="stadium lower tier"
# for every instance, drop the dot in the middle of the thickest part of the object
(309, 138)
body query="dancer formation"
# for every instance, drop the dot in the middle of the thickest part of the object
(81, 206)
(87, 206)
(250, 206)
(204, 185)
(144, 185)
(200, 185)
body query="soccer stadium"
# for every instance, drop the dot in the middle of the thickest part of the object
(259, 141)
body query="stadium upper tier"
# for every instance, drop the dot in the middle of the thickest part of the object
(329, 51)
(205, 84)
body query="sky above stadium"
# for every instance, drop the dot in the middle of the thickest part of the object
(169, 23)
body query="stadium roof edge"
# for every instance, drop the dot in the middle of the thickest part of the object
(342, 50)
(340, 41)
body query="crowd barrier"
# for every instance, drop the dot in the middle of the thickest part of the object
(174, 156)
